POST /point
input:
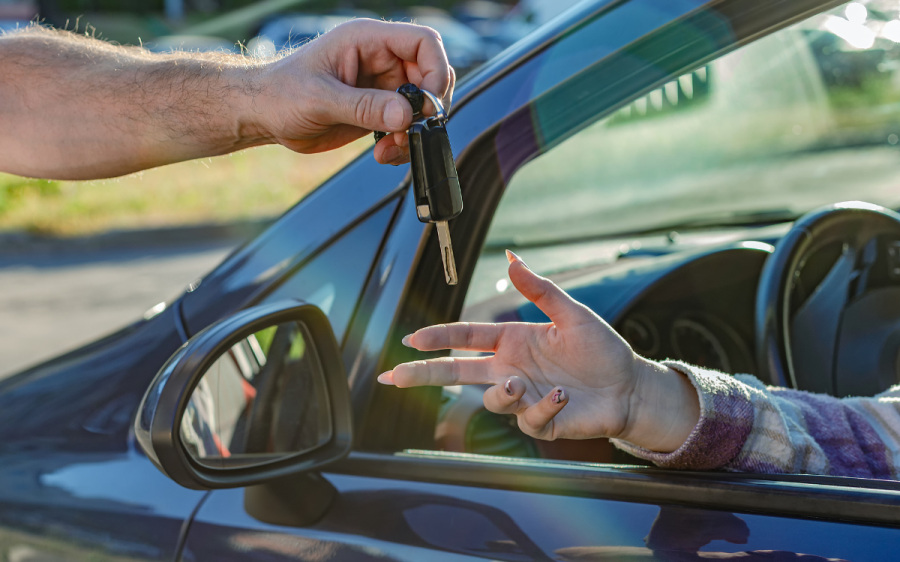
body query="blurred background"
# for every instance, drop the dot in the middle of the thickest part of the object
(81, 259)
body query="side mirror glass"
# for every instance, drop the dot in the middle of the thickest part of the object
(261, 400)
(259, 395)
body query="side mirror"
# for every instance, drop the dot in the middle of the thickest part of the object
(256, 396)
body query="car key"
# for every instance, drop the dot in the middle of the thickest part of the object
(435, 180)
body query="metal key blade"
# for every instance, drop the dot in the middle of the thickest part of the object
(446, 252)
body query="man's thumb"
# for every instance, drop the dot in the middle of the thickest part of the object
(373, 110)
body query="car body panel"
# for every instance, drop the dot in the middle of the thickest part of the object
(385, 519)
(72, 485)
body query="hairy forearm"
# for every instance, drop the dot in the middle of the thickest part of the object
(72, 107)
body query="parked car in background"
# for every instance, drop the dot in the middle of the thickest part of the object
(497, 24)
(289, 31)
(195, 43)
(15, 14)
(465, 48)
(650, 156)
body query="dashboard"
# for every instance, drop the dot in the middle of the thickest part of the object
(701, 312)
(694, 306)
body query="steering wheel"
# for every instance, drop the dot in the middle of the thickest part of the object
(828, 303)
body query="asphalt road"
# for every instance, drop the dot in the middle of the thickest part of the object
(50, 304)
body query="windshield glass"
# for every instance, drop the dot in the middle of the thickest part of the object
(807, 116)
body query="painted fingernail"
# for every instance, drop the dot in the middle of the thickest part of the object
(386, 378)
(559, 395)
(508, 387)
(511, 257)
(393, 115)
(406, 340)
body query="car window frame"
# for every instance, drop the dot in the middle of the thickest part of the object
(427, 299)
(390, 421)
(826, 498)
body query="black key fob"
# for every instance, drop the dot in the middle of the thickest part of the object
(435, 181)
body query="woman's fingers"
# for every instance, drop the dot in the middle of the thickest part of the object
(460, 335)
(537, 420)
(562, 309)
(504, 398)
(445, 371)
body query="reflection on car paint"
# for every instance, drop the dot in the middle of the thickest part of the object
(402, 520)
(71, 485)
(89, 506)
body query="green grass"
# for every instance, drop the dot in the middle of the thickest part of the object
(256, 183)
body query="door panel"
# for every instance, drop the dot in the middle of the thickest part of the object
(383, 519)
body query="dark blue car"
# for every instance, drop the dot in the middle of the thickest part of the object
(645, 154)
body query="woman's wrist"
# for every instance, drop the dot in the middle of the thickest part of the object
(663, 409)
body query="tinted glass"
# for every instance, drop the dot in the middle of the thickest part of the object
(333, 280)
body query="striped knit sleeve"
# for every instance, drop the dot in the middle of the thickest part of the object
(745, 426)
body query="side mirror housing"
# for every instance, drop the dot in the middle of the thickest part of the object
(257, 396)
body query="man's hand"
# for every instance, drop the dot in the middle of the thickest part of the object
(342, 86)
(73, 107)
(574, 378)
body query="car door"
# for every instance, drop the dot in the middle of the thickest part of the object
(400, 499)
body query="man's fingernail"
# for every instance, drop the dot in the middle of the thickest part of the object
(402, 159)
(393, 115)
(559, 395)
(511, 257)
(406, 340)
(391, 154)
(508, 387)
(386, 378)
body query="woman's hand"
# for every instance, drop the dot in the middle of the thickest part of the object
(342, 85)
(574, 378)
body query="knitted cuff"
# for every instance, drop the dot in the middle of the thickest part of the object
(726, 418)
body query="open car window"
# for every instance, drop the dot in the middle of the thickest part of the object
(803, 117)
(806, 116)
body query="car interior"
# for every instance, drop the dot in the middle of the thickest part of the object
(671, 252)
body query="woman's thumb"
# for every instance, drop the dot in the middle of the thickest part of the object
(371, 109)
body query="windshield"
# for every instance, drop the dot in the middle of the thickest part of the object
(807, 116)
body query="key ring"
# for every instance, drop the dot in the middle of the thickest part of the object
(440, 114)
(410, 91)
